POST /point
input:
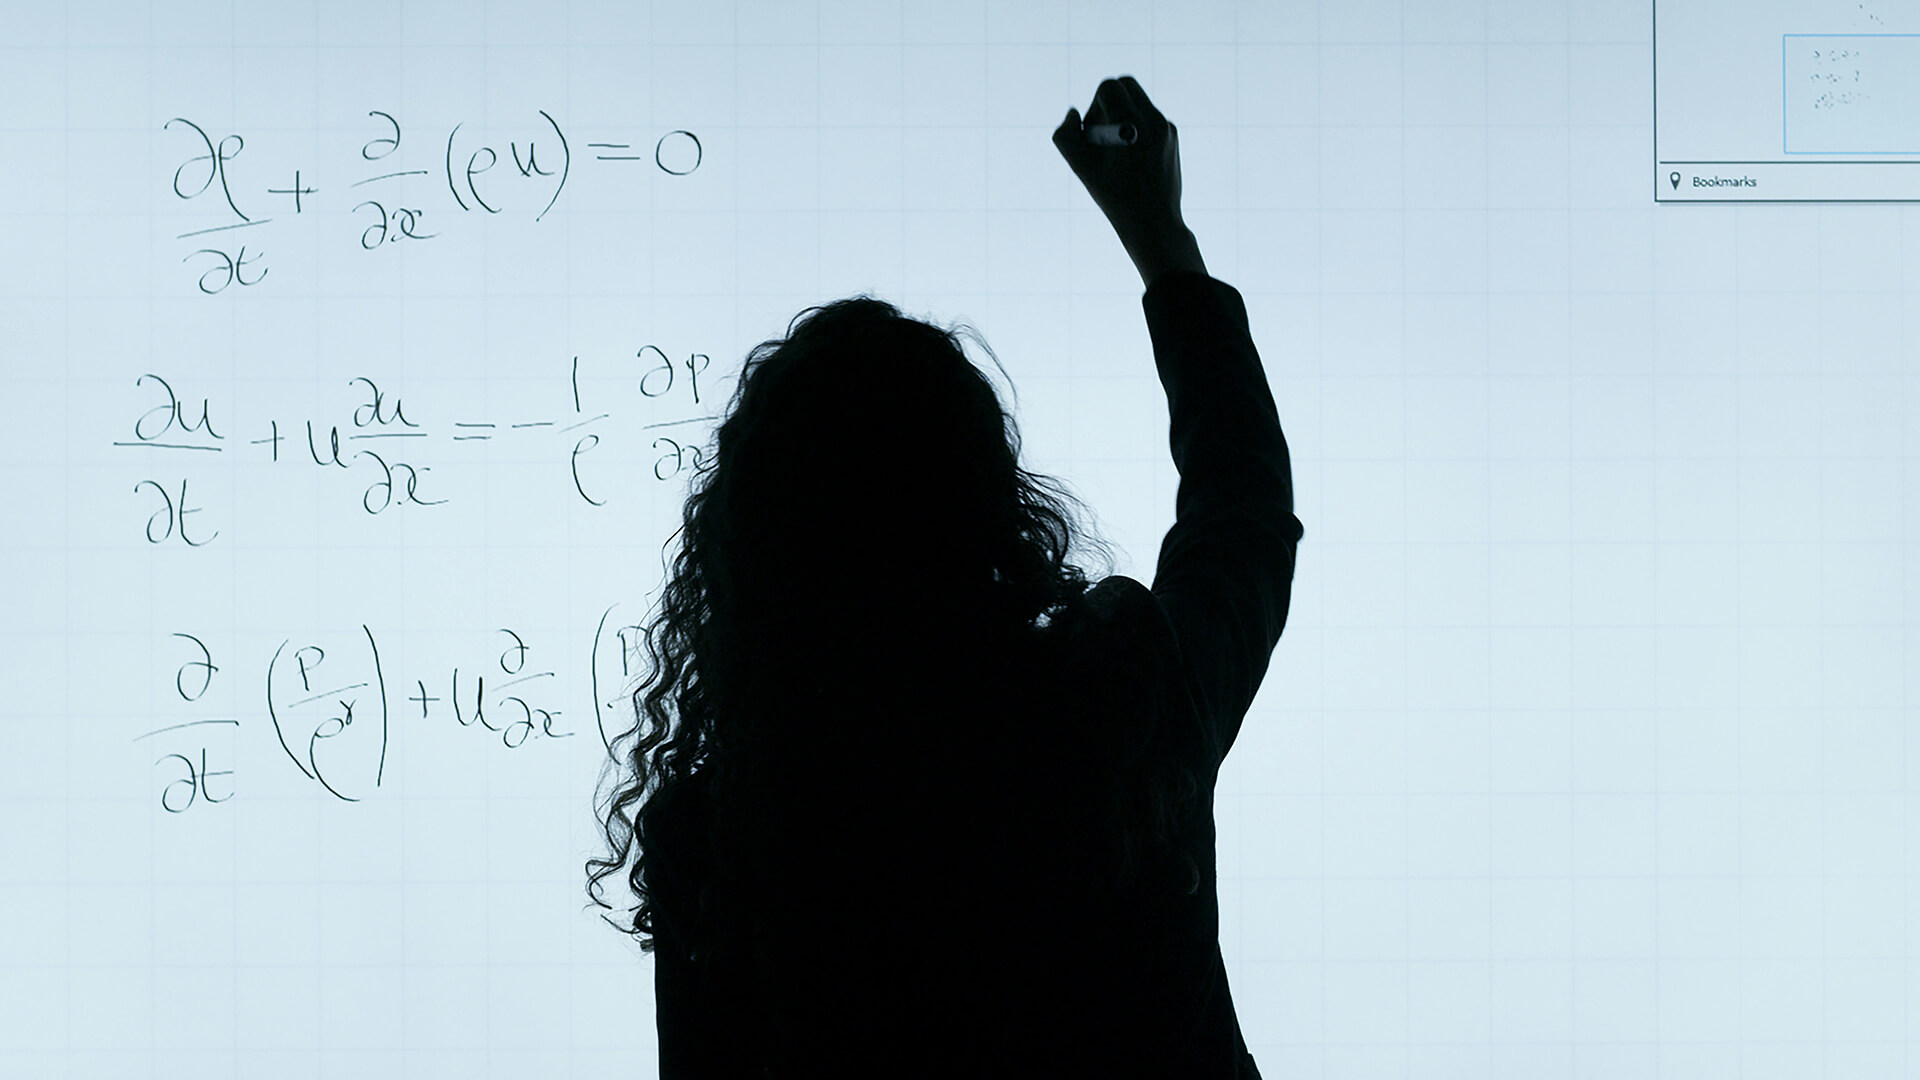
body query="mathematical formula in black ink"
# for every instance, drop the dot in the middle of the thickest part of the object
(476, 181)
(332, 706)
(382, 446)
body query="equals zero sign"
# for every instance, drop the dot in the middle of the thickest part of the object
(613, 146)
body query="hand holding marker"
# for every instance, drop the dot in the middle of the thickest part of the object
(1128, 156)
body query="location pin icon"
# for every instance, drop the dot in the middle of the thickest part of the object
(1674, 179)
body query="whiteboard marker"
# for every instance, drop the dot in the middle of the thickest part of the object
(1111, 134)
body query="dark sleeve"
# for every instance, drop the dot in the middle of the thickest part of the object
(697, 1035)
(683, 1026)
(691, 1020)
(1225, 575)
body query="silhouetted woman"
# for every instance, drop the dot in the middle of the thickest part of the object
(910, 798)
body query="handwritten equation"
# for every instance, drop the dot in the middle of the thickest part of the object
(1851, 94)
(1836, 77)
(384, 446)
(333, 704)
(479, 180)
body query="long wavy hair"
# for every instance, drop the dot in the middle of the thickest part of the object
(862, 510)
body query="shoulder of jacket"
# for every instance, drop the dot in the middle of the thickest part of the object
(1115, 597)
(1122, 602)
(1121, 637)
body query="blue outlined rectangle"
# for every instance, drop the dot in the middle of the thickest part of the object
(1850, 94)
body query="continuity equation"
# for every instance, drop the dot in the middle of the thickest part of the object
(333, 704)
(479, 181)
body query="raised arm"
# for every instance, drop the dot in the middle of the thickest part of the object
(1225, 575)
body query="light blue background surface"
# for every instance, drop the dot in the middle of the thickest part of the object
(1585, 753)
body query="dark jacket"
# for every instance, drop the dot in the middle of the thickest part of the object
(1009, 965)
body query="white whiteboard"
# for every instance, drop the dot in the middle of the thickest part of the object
(1585, 751)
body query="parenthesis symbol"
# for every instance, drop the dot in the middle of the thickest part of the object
(382, 677)
(566, 162)
(275, 717)
(450, 184)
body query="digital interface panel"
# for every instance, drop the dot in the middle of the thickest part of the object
(1786, 100)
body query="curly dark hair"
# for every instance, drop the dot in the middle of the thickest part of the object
(865, 484)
